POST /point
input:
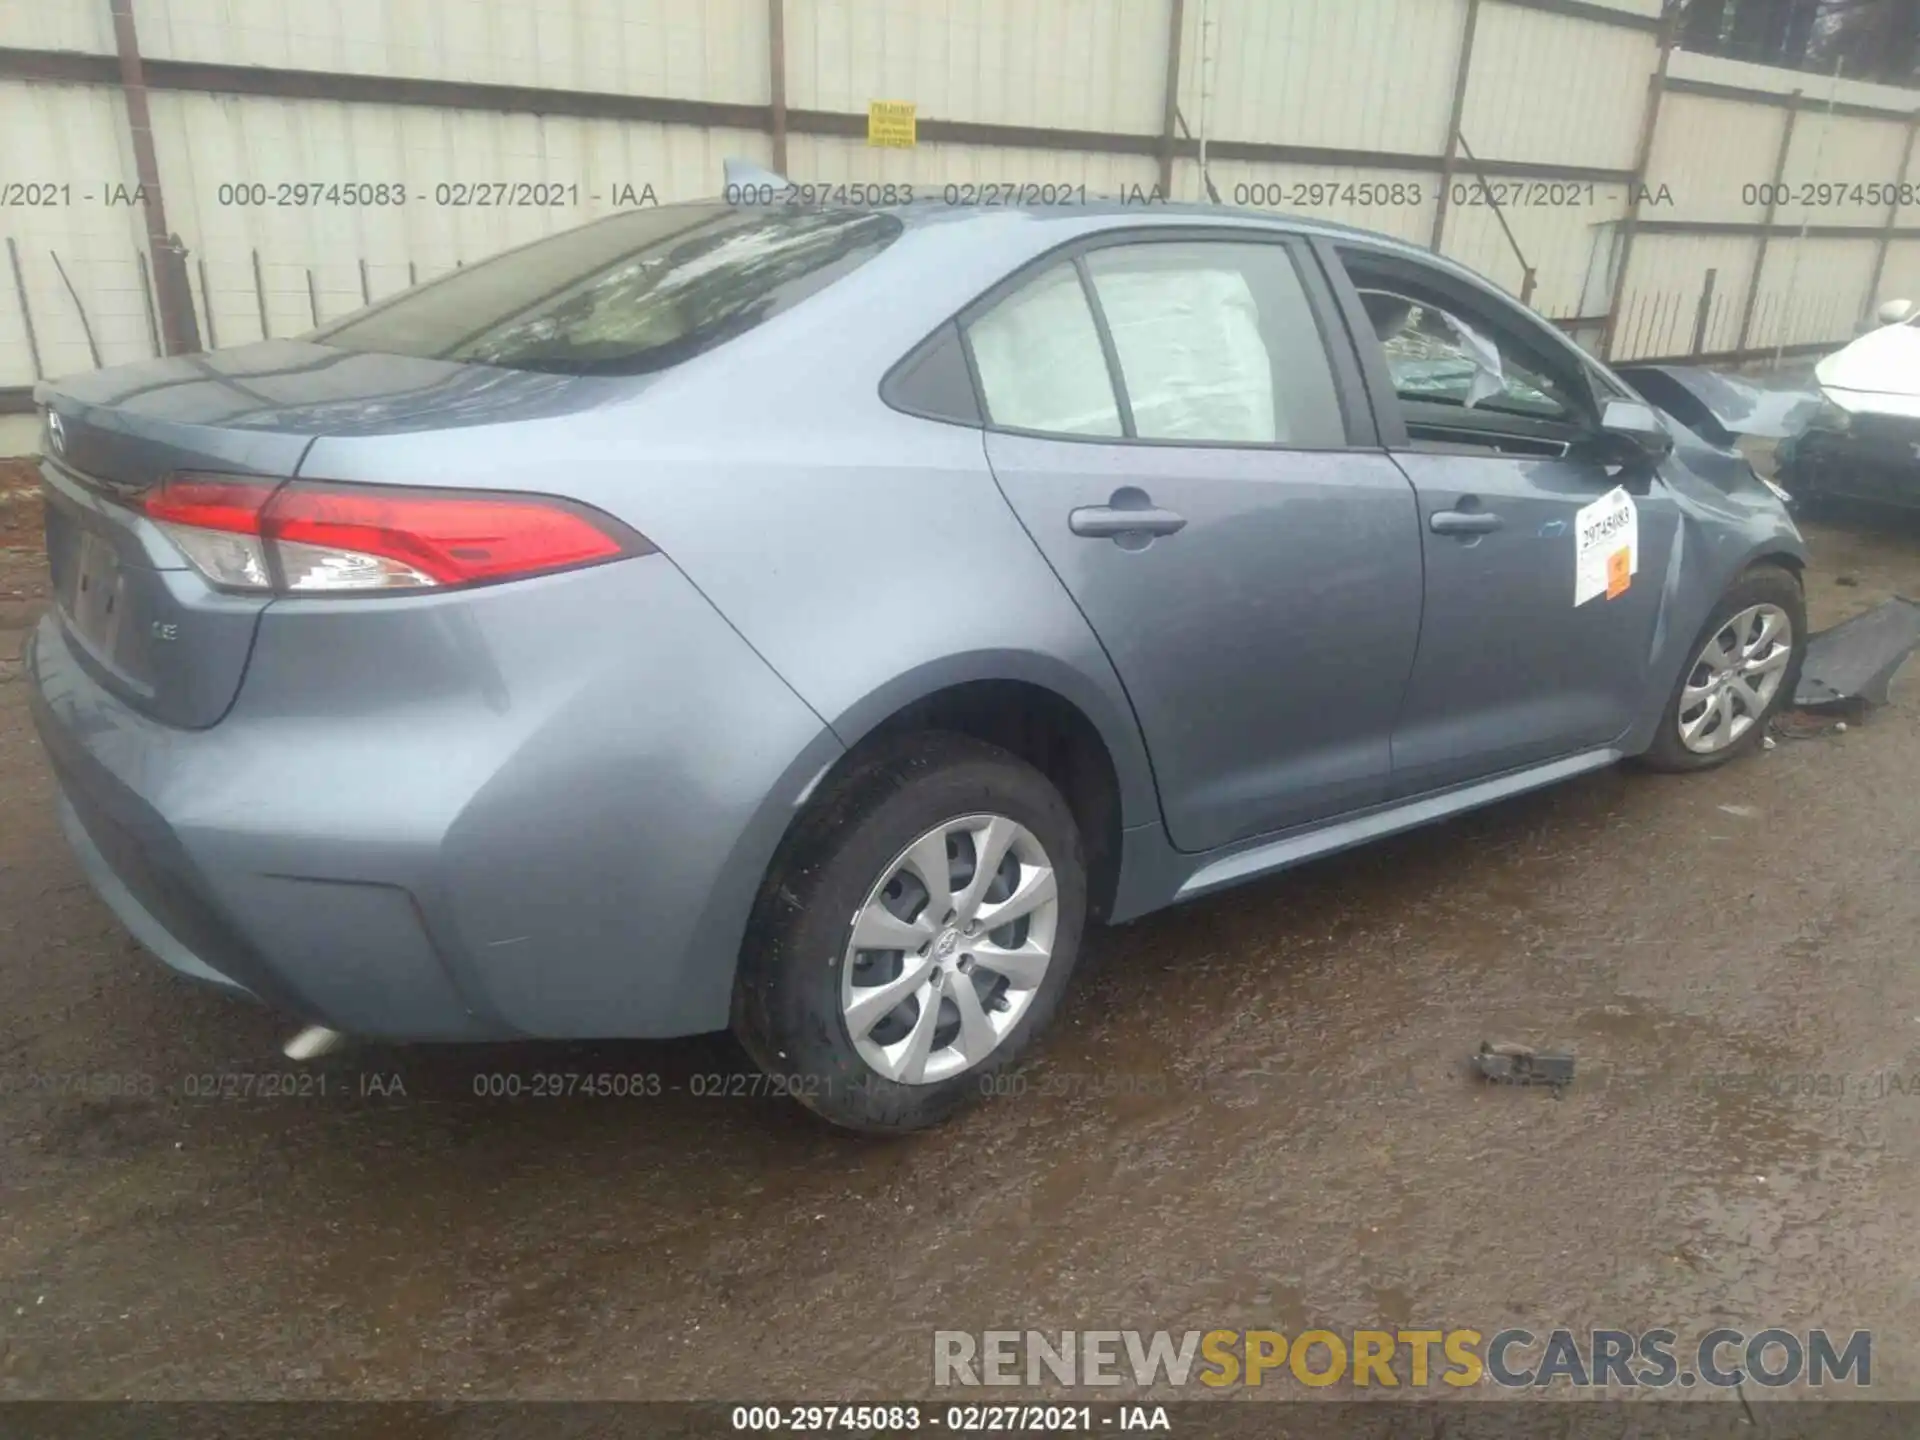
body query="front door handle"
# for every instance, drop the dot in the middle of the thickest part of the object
(1464, 522)
(1130, 512)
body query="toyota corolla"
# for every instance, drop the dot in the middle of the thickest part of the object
(809, 620)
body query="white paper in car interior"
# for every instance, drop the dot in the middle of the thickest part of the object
(1190, 348)
(1040, 361)
(1601, 532)
(1489, 375)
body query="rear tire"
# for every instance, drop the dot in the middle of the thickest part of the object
(1763, 589)
(853, 863)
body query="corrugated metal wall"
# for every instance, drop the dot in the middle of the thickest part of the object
(56, 25)
(1348, 101)
(690, 49)
(1719, 156)
(1555, 90)
(66, 151)
(1061, 64)
(1345, 74)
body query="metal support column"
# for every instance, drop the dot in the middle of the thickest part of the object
(175, 297)
(1170, 100)
(777, 80)
(1703, 311)
(1642, 160)
(1773, 206)
(1454, 117)
(1893, 219)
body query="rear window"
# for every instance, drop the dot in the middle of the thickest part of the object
(633, 294)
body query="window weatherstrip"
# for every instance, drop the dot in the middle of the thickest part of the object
(1107, 347)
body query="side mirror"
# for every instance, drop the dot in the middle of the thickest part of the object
(1635, 430)
(1896, 311)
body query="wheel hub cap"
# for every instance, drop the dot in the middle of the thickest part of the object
(949, 949)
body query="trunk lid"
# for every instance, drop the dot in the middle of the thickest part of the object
(140, 618)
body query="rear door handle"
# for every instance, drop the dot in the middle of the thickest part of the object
(1464, 522)
(1109, 522)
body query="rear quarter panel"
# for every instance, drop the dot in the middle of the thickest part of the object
(866, 555)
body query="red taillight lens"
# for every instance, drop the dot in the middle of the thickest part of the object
(304, 538)
(447, 538)
(211, 502)
(215, 520)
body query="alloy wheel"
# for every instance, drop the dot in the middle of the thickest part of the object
(1735, 678)
(949, 949)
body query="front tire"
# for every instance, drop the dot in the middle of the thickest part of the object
(914, 933)
(1745, 669)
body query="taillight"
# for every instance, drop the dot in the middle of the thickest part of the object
(216, 523)
(300, 538)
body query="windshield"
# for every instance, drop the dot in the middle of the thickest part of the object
(636, 293)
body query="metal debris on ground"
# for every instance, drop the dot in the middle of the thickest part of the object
(1509, 1064)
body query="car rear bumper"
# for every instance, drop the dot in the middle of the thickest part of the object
(538, 809)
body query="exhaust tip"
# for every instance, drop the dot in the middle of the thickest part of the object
(313, 1042)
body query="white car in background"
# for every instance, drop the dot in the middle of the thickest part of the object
(1863, 442)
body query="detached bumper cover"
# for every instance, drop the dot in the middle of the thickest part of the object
(1857, 659)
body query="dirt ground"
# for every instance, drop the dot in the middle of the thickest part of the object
(1305, 1147)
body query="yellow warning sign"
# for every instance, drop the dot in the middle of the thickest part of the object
(891, 123)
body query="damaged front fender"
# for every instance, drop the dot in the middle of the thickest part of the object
(1723, 409)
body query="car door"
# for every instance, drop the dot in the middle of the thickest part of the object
(1494, 419)
(1172, 428)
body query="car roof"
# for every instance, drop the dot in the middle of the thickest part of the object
(933, 210)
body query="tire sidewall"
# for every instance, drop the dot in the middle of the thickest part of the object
(806, 955)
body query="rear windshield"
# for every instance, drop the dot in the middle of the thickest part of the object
(636, 293)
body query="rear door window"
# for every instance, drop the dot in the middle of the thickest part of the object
(636, 293)
(1217, 344)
